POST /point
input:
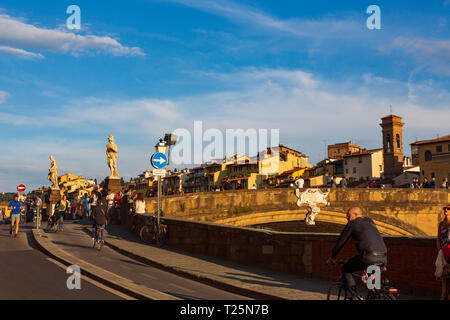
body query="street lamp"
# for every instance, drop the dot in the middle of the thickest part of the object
(161, 147)
(170, 139)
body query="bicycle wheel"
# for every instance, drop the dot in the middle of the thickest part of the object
(146, 234)
(386, 295)
(336, 292)
(159, 236)
(49, 226)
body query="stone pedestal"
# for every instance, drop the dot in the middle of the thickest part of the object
(112, 184)
(55, 196)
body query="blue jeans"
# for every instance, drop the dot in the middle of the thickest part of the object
(61, 219)
(94, 230)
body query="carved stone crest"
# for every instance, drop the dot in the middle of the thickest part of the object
(312, 197)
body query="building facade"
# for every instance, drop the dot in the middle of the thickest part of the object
(392, 145)
(338, 150)
(364, 165)
(433, 158)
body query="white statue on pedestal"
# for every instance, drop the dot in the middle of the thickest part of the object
(312, 197)
(111, 155)
(53, 174)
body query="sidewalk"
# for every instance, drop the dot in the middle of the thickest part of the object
(120, 283)
(250, 281)
(253, 282)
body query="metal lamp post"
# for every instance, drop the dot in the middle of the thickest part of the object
(160, 147)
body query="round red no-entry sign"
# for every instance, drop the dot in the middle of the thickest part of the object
(21, 188)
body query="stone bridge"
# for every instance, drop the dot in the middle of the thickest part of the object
(395, 211)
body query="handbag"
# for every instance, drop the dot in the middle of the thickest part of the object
(442, 267)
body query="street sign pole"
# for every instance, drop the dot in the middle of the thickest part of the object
(159, 198)
(159, 162)
(21, 189)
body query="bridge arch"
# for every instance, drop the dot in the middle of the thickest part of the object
(412, 212)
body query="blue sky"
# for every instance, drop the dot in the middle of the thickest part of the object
(137, 69)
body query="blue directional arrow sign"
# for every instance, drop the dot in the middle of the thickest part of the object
(159, 160)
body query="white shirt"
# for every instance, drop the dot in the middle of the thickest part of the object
(140, 206)
(300, 183)
(110, 199)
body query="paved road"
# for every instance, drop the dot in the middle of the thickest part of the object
(76, 242)
(26, 273)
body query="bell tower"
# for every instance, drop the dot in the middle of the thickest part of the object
(392, 145)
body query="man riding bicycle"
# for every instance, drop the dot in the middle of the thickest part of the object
(369, 244)
(99, 218)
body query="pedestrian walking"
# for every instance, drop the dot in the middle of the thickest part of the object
(118, 208)
(425, 183)
(28, 210)
(443, 245)
(69, 208)
(38, 212)
(110, 198)
(433, 184)
(74, 206)
(86, 206)
(61, 208)
(343, 183)
(93, 201)
(333, 182)
(15, 207)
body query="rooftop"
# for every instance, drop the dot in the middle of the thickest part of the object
(363, 152)
(349, 143)
(441, 139)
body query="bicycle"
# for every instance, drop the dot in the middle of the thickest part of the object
(99, 243)
(154, 233)
(23, 217)
(338, 291)
(53, 223)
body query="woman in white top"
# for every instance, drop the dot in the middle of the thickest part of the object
(139, 203)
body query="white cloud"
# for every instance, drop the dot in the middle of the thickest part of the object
(20, 53)
(3, 96)
(135, 116)
(17, 34)
(323, 28)
(435, 54)
(292, 100)
(306, 109)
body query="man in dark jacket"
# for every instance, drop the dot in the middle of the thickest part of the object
(369, 244)
(99, 218)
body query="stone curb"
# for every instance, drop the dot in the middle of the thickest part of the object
(107, 278)
(255, 294)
